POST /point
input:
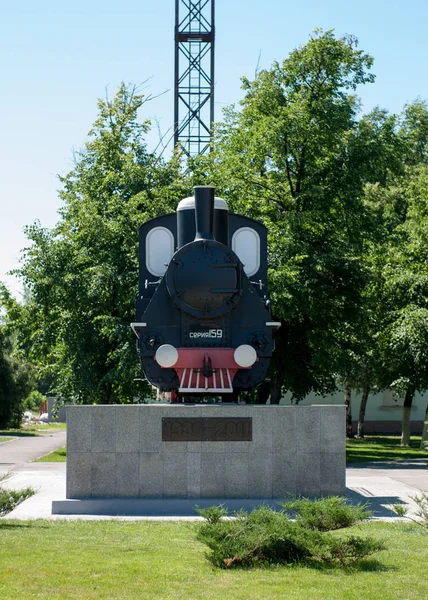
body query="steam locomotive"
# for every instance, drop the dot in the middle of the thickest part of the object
(203, 320)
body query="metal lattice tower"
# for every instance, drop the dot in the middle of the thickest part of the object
(194, 75)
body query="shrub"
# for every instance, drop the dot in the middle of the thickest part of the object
(33, 401)
(265, 537)
(326, 514)
(347, 551)
(262, 536)
(9, 499)
(212, 514)
(422, 502)
(421, 513)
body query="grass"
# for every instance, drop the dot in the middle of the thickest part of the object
(9, 499)
(34, 429)
(58, 455)
(94, 560)
(382, 447)
(4, 439)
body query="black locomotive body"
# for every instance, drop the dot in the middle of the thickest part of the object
(203, 318)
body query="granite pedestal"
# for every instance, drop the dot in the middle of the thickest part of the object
(117, 452)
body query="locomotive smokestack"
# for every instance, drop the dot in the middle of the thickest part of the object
(204, 212)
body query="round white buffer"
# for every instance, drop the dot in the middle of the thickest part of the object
(245, 355)
(166, 355)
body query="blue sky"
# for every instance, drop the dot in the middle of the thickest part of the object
(57, 58)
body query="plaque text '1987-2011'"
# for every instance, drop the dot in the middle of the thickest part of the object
(211, 429)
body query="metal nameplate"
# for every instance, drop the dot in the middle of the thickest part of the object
(211, 429)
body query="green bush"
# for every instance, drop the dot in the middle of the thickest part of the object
(33, 401)
(421, 513)
(326, 514)
(267, 537)
(261, 536)
(9, 499)
(212, 514)
(347, 551)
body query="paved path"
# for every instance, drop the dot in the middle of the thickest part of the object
(382, 484)
(379, 484)
(48, 481)
(413, 473)
(22, 450)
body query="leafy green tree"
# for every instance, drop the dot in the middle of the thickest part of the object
(382, 150)
(82, 276)
(402, 287)
(424, 438)
(294, 157)
(17, 374)
(8, 404)
(363, 366)
(395, 210)
(328, 185)
(34, 400)
(414, 131)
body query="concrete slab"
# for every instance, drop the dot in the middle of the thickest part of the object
(413, 472)
(48, 481)
(379, 487)
(152, 507)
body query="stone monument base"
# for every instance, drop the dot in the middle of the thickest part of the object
(203, 451)
(183, 508)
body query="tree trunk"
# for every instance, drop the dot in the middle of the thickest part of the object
(424, 440)
(362, 413)
(262, 393)
(407, 407)
(348, 389)
(106, 394)
(275, 389)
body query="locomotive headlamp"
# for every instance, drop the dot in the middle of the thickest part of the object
(245, 355)
(166, 356)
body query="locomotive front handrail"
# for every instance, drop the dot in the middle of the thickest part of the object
(135, 325)
(148, 283)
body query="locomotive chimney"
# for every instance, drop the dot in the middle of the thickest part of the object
(204, 212)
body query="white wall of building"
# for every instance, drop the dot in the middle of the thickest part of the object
(384, 406)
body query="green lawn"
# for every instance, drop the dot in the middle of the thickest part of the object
(59, 455)
(4, 439)
(112, 560)
(382, 447)
(35, 429)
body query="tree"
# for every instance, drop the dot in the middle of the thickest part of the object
(378, 142)
(17, 375)
(82, 276)
(293, 157)
(424, 438)
(403, 289)
(7, 399)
